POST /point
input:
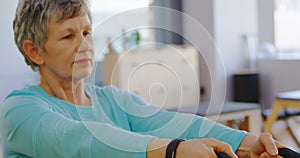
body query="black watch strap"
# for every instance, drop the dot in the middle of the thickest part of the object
(171, 148)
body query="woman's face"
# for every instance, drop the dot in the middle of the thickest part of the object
(69, 48)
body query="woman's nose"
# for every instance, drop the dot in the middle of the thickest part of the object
(84, 44)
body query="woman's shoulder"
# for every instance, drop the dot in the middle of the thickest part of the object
(27, 97)
(29, 91)
(31, 94)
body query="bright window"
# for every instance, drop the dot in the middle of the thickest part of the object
(287, 25)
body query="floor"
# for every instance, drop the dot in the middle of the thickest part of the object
(284, 134)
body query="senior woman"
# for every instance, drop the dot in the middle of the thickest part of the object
(63, 117)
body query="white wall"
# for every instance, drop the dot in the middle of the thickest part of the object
(202, 11)
(226, 21)
(276, 74)
(266, 20)
(14, 73)
(233, 19)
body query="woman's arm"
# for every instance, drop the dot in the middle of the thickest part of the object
(251, 146)
(28, 127)
(157, 148)
(151, 120)
(194, 148)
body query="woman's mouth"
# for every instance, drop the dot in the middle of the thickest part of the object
(82, 61)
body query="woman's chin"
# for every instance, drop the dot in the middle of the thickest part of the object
(81, 74)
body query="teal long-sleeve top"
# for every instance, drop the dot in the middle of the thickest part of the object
(117, 124)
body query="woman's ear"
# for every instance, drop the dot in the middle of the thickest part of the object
(32, 52)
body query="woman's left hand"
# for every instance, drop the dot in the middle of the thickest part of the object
(263, 146)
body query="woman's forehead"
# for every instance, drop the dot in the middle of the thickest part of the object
(71, 23)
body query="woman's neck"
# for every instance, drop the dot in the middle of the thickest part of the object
(67, 90)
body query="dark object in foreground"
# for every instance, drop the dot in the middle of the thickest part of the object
(288, 153)
(284, 152)
(222, 155)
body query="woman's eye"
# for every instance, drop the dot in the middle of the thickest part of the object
(67, 36)
(86, 33)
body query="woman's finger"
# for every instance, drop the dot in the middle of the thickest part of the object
(220, 146)
(269, 144)
(266, 155)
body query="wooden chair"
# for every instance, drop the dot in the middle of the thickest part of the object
(284, 101)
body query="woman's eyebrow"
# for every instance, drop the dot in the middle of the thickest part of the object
(66, 30)
(89, 27)
(70, 29)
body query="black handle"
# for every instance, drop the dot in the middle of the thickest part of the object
(288, 153)
(222, 155)
(284, 152)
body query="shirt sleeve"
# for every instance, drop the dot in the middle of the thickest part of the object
(166, 124)
(30, 128)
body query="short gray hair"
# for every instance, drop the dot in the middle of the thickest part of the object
(33, 16)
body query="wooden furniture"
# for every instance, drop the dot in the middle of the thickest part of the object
(286, 100)
(230, 111)
(165, 77)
